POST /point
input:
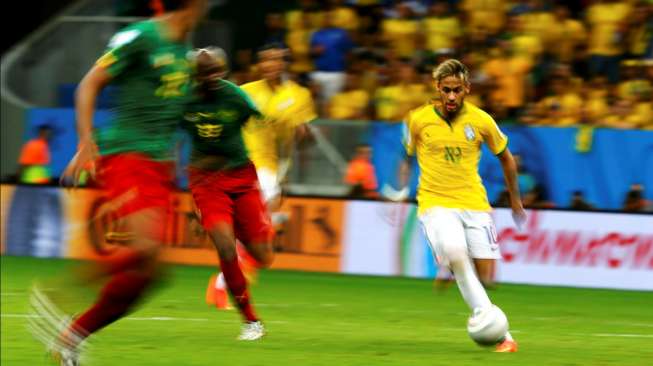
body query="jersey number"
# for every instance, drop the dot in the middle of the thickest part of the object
(453, 154)
(209, 131)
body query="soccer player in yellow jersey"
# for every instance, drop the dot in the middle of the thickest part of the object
(446, 137)
(286, 107)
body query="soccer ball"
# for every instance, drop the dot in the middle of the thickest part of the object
(487, 326)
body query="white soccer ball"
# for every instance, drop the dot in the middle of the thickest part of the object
(487, 326)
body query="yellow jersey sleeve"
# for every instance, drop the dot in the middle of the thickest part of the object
(305, 111)
(496, 140)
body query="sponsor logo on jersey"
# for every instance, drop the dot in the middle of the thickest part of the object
(209, 130)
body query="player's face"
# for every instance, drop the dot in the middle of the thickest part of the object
(452, 91)
(272, 63)
(209, 73)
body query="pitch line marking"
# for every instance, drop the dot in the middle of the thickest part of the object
(152, 318)
(620, 335)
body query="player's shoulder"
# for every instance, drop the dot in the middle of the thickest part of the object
(421, 113)
(230, 87)
(476, 114)
(296, 88)
(135, 31)
(253, 86)
(231, 90)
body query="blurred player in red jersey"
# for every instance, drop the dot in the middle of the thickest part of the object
(131, 159)
(223, 179)
(287, 109)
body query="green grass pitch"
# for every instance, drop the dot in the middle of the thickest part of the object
(324, 319)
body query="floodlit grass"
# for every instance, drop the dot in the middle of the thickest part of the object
(338, 320)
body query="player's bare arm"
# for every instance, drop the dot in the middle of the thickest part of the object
(85, 100)
(510, 175)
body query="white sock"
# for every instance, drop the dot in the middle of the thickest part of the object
(470, 287)
(508, 337)
(279, 218)
(220, 283)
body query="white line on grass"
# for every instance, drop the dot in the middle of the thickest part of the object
(153, 318)
(167, 318)
(617, 335)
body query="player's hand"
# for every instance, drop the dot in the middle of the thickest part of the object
(518, 215)
(84, 160)
(389, 193)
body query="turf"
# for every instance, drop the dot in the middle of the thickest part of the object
(324, 319)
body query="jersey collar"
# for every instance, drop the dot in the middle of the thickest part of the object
(448, 122)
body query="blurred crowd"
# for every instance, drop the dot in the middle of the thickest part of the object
(535, 62)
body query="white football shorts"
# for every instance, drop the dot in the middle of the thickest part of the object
(269, 183)
(471, 231)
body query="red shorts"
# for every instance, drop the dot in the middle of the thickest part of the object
(134, 182)
(232, 196)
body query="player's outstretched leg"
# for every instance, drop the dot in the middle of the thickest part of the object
(446, 233)
(225, 242)
(475, 296)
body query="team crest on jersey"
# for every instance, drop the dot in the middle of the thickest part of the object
(470, 135)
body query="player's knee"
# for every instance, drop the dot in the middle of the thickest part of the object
(265, 260)
(224, 244)
(454, 252)
(262, 253)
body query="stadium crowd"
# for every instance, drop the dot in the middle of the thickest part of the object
(534, 62)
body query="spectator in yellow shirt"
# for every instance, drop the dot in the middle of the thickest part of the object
(621, 115)
(538, 21)
(596, 99)
(567, 37)
(402, 34)
(508, 78)
(563, 106)
(484, 15)
(634, 80)
(639, 35)
(404, 93)
(441, 28)
(343, 16)
(352, 103)
(607, 20)
(298, 40)
(524, 44)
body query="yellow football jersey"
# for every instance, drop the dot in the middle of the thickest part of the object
(283, 109)
(448, 154)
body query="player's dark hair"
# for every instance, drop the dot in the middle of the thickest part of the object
(272, 46)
